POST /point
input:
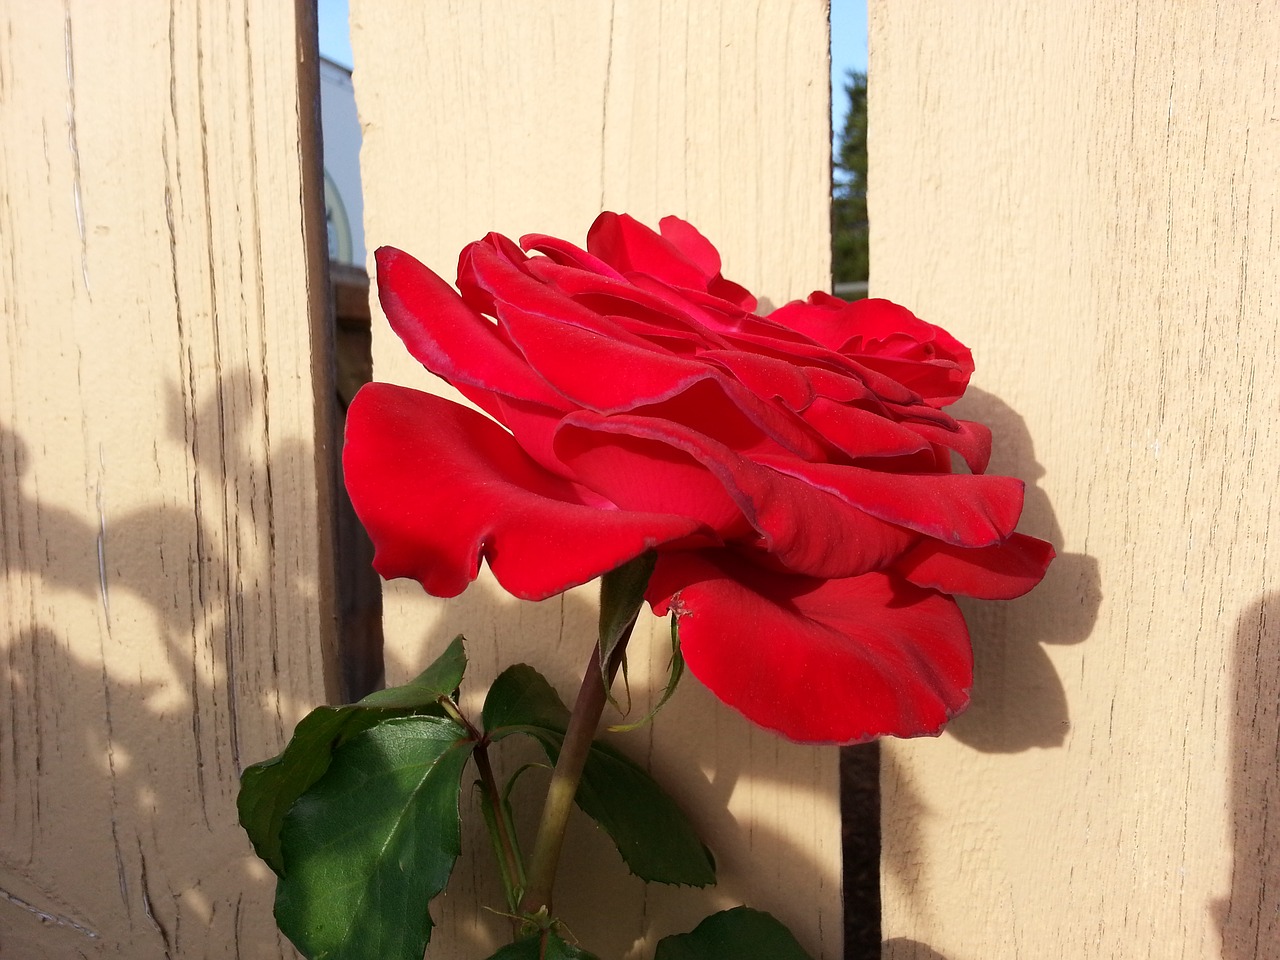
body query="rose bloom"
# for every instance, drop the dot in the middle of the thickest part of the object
(793, 472)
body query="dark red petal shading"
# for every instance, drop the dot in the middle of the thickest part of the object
(970, 439)
(767, 377)
(608, 371)
(439, 486)
(937, 382)
(861, 433)
(966, 510)
(449, 338)
(836, 661)
(650, 464)
(998, 572)
(888, 328)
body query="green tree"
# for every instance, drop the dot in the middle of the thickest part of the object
(849, 258)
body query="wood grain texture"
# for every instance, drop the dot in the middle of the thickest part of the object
(163, 520)
(524, 117)
(1087, 194)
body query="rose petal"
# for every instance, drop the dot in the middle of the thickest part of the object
(1001, 571)
(685, 238)
(962, 509)
(836, 661)
(477, 293)
(630, 247)
(494, 271)
(766, 377)
(861, 433)
(651, 464)
(634, 309)
(567, 254)
(884, 327)
(888, 337)
(597, 367)
(969, 439)
(815, 357)
(821, 318)
(438, 486)
(448, 337)
(613, 373)
(936, 382)
(644, 472)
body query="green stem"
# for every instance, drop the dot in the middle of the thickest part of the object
(500, 830)
(583, 722)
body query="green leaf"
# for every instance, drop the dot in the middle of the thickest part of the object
(521, 700)
(655, 839)
(737, 934)
(621, 596)
(544, 946)
(440, 679)
(373, 841)
(268, 789)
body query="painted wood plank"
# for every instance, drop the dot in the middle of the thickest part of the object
(164, 526)
(1087, 194)
(523, 117)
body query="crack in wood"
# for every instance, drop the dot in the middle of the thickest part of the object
(48, 917)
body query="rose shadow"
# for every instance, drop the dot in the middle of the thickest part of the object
(1018, 700)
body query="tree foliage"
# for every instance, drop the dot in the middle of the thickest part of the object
(849, 259)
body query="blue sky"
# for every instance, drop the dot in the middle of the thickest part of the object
(848, 45)
(335, 36)
(848, 52)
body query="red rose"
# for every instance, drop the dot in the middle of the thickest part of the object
(793, 472)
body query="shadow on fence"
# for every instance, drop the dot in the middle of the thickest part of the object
(134, 705)
(1248, 917)
(1019, 702)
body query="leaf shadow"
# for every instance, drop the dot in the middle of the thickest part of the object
(137, 678)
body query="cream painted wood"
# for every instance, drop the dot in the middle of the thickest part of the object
(164, 596)
(523, 117)
(1088, 195)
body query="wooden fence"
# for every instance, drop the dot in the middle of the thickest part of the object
(1084, 193)
(1088, 194)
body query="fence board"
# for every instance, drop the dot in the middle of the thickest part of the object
(524, 117)
(164, 514)
(1087, 194)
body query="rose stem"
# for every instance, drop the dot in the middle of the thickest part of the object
(508, 859)
(584, 720)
